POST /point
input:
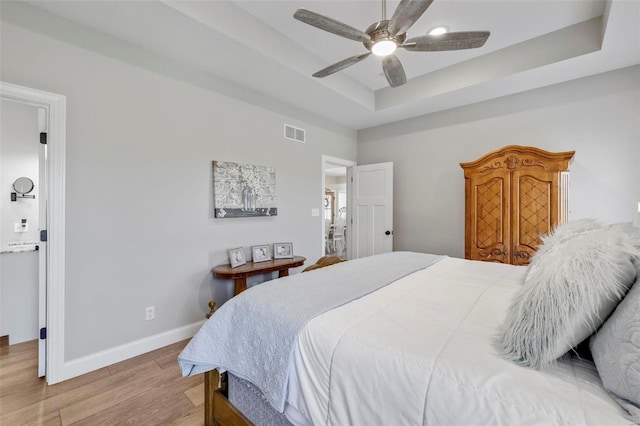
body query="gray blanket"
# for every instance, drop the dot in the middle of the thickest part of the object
(253, 335)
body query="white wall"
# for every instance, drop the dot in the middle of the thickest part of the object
(141, 134)
(598, 117)
(19, 156)
(339, 187)
(337, 184)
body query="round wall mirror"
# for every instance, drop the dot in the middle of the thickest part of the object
(23, 185)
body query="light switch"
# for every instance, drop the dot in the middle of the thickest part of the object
(315, 212)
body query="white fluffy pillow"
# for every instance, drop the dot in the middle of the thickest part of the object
(563, 233)
(568, 230)
(573, 283)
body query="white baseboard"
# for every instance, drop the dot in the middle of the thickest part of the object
(85, 364)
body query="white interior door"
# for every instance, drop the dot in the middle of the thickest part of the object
(371, 209)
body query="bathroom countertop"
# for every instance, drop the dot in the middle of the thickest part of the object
(20, 247)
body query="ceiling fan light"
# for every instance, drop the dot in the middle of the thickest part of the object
(438, 30)
(384, 47)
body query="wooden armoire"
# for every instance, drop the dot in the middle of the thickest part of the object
(512, 196)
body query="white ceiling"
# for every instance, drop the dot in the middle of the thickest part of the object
(258, 45)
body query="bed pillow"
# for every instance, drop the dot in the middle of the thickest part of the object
(569, 230)
(562, 233)
(616, 352)
(572, 285)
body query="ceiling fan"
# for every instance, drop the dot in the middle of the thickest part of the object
(382, 38)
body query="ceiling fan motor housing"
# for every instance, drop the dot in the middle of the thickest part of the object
(378, 32)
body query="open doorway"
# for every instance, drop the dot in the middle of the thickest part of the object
(52, 110)
(21, 194)
(335, 203)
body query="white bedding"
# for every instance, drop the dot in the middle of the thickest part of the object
(418, 352)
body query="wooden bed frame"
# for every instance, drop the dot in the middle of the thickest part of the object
(217, 408)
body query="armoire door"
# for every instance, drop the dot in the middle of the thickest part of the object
(487, 212)
(535, 211)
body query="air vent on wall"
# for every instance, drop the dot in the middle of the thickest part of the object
(294, 133)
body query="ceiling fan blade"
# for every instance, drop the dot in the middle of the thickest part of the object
(448, 41)
(406, 14)
(331, 25)
(393, 71)
(341, 65)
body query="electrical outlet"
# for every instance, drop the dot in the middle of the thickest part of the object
(150, 313)
(20, 227)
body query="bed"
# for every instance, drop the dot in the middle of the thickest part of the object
(410, 339)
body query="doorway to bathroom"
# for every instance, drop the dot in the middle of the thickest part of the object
(21, 196)
(32, 222)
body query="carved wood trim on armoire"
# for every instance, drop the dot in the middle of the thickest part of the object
(512, 196)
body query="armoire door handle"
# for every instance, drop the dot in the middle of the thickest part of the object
(522, 254)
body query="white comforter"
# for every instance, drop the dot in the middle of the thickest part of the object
(418, 352)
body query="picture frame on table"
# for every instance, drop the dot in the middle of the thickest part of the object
(261, 253)
(283, 250)
(236, 257)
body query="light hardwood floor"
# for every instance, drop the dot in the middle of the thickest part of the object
(145, 390)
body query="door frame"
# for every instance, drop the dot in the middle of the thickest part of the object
(55, 106)
(43, 126)
(327, 163)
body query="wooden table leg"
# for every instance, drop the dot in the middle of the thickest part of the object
(241, 285)
(283, 273)
(212, 308)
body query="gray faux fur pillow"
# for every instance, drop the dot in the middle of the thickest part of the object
(572, 285)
